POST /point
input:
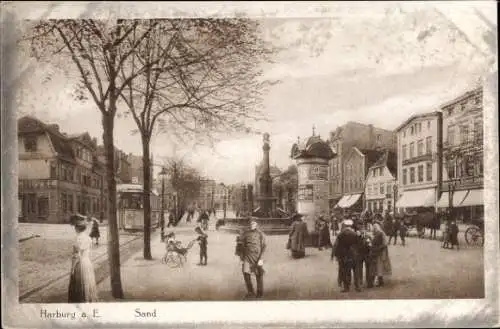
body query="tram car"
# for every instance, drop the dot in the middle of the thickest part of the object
(131, 207)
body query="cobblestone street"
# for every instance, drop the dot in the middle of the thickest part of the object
(422, 269)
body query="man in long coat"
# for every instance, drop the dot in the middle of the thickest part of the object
(347, 253)
(297, 236)
(252, 244)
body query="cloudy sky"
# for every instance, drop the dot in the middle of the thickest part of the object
(365, 62)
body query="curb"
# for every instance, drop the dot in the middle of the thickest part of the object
(100, 264)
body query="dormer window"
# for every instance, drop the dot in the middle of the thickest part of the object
(30, 144)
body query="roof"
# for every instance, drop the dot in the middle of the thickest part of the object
(388, 159)
(338, 131)
(32, 125)
(314, 147)
(463, 96)
(416, 116)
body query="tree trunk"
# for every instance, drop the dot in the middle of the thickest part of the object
(146, 171)
(113, 236)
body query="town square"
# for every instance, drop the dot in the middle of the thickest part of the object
(243, 159)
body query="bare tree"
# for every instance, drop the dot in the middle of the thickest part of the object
(97, 50)
(202, 77)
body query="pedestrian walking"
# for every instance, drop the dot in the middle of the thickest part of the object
(382, 263)
(203, 243)
(82, 285)
(171, 218)
(334, 226)
(94, 232)
(454, 235)
(446, 235)
(403, 231)
(251, 248)
(364, 260)
(323, 233)
(298, 234)
(347, 253)
(394, 230)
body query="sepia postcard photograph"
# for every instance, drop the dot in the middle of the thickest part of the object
(296, 164)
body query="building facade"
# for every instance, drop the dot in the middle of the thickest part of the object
(206, 198)
(136, 172)
(462, 188)
(58, 174)
(342, 140)
(356, 164)
(381, 185)
(419, 154)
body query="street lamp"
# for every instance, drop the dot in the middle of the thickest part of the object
(162, 174)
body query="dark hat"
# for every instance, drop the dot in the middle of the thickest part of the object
(78, 220)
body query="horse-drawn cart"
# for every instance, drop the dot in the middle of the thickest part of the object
(474, 234)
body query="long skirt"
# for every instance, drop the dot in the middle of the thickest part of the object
(82, 284)
(383, 263)
(298, 253)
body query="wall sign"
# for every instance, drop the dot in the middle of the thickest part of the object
(318, 172)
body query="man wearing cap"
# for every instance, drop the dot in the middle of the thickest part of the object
(297, 236)
(252, 246)
(346, 251)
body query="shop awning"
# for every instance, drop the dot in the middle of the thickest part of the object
(458, 197)
(473, 198)
(343, 201)
(352, 200)
(417, 198)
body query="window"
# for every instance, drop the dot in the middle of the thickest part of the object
(428, 145)
(379, 138)
(464, 133)
(404, 133)
(404, 177)
(428, 124)
(70, 202)
(428, 169)
(382, 189)
(381, 205)
(412, 175)
(31, 203)
(381, 171)
(478, 132)
(411, 130)
(30, 143)
(451, 135)
(369, 190)
(420, 173)
(405, 154)
(43, 207)
(419, 127)
(389, 205)
(412, 150)
(420, 147)
(53, 170)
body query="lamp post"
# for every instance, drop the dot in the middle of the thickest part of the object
(162, 174)
(394, 196)
(451, 183)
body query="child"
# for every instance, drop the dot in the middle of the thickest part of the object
(203, 242)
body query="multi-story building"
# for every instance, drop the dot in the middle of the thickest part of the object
(463, 155)
(419, 155)
(58, 174)
(381, 184)
(342, 140)
(206, 197)
(136, 171)
(122, 165)
(356, 164)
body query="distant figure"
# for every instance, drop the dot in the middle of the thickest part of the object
(82, 284)
(446, 235)
(394, 230)
(250, 247)
(204, 218)
(297, 236)
(94, 232)
(203, 243)
(454, 235)
(171, 218)
(403, 231)
(323, 233)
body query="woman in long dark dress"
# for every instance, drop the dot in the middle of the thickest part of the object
(297, 236)
(82, 284)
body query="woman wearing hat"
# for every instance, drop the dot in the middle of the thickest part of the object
(297, 236)
(82, 284)
(381, 261)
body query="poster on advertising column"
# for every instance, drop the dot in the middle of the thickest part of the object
(306, 192)
(318, 172)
